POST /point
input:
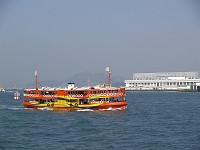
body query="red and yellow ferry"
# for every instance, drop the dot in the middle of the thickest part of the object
(100, 97)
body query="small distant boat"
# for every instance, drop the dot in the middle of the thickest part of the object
(16, 95)
(2, 90)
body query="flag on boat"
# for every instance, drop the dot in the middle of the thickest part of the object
(36, 73)
(107, 69)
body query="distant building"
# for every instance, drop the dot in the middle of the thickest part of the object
(164, 81)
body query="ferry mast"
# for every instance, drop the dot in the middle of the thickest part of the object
(108, 71)
(36, 80)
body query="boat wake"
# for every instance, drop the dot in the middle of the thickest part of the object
(85, 110)
(111, 109)
(4, 107)
(108, 109)
(45, 109)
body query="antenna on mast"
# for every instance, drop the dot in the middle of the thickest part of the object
(36, 80)
(108, 71)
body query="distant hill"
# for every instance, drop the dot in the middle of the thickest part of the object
(49, 83)
(81, 79)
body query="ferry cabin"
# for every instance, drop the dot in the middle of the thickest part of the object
(75, 97)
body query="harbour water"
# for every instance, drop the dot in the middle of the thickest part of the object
(152, 120)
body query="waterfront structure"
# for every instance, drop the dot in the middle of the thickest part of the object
(187, 81)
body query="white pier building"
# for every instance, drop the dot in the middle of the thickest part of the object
(164, 81)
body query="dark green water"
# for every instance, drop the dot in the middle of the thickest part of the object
(152, 121)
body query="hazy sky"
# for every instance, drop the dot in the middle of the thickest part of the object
(64, 37)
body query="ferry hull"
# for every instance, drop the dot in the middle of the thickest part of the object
(95, 106)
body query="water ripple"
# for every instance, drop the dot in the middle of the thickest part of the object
(152, 120)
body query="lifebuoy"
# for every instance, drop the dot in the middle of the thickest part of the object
(48, 104)
(52, 105)
(76, 105)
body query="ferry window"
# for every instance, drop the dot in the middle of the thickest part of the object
(73, 100)
(110, 99)
(46, 92)
(101, 99)
(90, 92)
(26, 92)
(42, 101)
(52, 93)
(84, 101)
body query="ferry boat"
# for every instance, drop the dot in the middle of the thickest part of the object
(71, 98)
